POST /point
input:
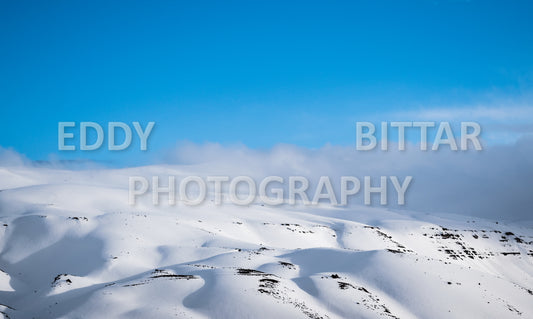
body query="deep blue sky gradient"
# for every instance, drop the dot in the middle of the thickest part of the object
(251, 72)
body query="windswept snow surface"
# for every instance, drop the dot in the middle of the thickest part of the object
(72, 247)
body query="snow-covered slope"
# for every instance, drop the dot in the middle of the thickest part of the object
(72, 247)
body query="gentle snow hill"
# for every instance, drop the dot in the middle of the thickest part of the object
(72, 247)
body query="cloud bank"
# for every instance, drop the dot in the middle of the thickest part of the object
(494, 183)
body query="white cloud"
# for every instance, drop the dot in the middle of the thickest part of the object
(494, 183)
(501, 124)
(502, 113)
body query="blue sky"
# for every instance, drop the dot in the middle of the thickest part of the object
(254, 72)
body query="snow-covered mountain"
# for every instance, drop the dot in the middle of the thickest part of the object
(72, 247)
